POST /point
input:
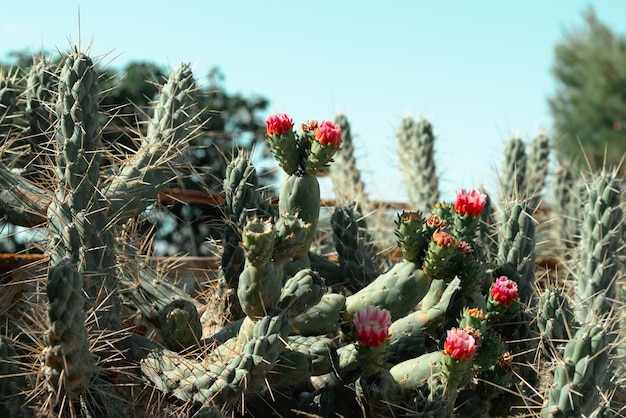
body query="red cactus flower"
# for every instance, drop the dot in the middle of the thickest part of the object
(469, 202)
(372, 325)
(279, 123)
(328, 133)
(504, 291)
(459, 344)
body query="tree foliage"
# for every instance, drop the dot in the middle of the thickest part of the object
(589, 106)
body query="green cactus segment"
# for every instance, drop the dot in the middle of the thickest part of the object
(241, 202)
(301, 292)
(348, 359)
(258, 240)
(344, 172)
(225, 381)
(319, 352)
(285, 148)
(517, 247)
(443, 259)
(66, 357)
(137, 185)
(77, 136)
(259, 289)
(241, 196)
(555, 319)
(413, 236)
(578, 377)
(417, 163)
(291, 238)
(12, 383)
(40, 91)
(318, 156)
(464, 228)
(414, 373)
(323, 318)
(79, 229)
(357, 267)
(601, 238)
(487, 231)
(537, 169)
(261, 280)
(398, 290)
(513, 176)
(426, 319)
(566, 205)
(300, 197)
(180, 325)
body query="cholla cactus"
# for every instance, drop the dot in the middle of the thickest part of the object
(446, 331)
(513, 175)
(344, 172)
(416, 148)
(537, 169)
(601, 238)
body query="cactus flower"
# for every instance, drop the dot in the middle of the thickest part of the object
(279, 124)
(443, 239)
(469, 202)
(459, 344)
(504, 291)
(372, 325)
(328, 133)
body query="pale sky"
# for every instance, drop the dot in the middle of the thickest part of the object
(480, 71)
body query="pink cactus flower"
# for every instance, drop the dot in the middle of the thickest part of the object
(372, 325)
(328, 133)
(279, 123)
(504, 291)
(469, 202)
(459, 344)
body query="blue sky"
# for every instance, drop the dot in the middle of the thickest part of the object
(480, 71)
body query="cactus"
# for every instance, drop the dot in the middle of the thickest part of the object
(416, 149)
(513, 175)
(537, 169)
(517, 247)
(344, 172)
(555, 320)
(356, 262)
(446, 331)
(601, 238)
(577, 378)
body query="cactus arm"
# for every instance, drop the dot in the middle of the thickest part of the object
(601, 238)
(416, 151)
(137, 185)
(398, 290)
(21, 202)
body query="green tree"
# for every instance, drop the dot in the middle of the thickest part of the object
(589, 107)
